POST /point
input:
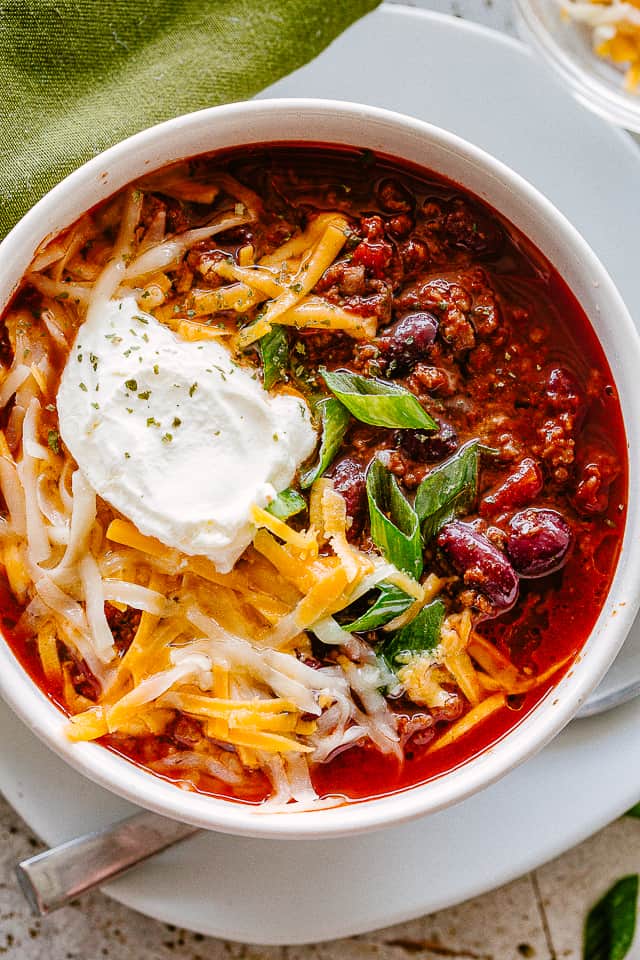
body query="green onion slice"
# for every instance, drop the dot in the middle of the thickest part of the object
(378, 402)
(391, 602)
(287, 504)
(449, 490)
(422, 635)
(395, 528)
(274, 350)
(335, 420)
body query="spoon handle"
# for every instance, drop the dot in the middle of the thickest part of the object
(52, 878)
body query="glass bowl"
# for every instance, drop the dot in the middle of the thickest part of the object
(567, 48)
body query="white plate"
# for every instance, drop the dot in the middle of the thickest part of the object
(488, 89)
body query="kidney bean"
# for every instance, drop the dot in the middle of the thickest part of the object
(428, 447)
(410, 339)
(519, 489)
(481, 565)
(349, 480)
(538, 542)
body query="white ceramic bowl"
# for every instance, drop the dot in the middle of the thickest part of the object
(435, 149)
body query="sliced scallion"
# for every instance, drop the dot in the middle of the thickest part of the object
(390, 603)
(287, 504)
(335, 420)
(422, 635)
(274, 350)
(449, 490)
(395, 528)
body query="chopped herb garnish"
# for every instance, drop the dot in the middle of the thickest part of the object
(156, 369)
(96, 406)
(395, 527)
(378, 402)
(176, 422)
(610, 926)
(152, 422)
(140, 319)
(131, 385)
(83, 386)
(144, 395)
(167, 438)
(127, 455)
(287, 504)
(53, 440)
(192, 389)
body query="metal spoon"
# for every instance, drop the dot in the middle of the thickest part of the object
(52, 878)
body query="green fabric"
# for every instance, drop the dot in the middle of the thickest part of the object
(76, 76)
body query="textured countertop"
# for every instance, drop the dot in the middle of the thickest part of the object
(538, 916)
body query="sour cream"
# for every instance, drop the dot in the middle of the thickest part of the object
(175, 435)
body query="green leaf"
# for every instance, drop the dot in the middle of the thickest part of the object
(634, 812)
(274, 350)
(449, 490)
(395, 528)
(611, 923)
(335, 420)
(377, 402)
(420, 636)
(287, 504)
(391, 602)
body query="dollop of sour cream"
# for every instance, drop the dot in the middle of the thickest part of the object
(175, 435)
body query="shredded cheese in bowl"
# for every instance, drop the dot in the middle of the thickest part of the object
(615, 26)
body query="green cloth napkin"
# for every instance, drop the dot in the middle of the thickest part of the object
(76, 76)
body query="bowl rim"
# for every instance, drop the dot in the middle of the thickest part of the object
(617, 106)
(556, 708)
